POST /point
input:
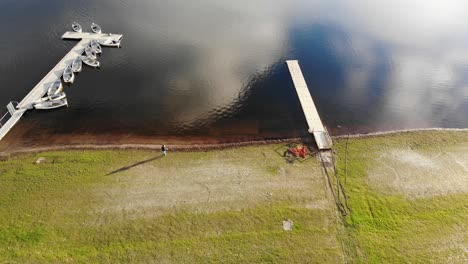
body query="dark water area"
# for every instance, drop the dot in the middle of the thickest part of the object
(215, 70)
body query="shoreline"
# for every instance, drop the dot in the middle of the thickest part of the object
(398, 131)
(208, 146)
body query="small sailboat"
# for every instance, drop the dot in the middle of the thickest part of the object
(68, 75)
(77, 64)
(53, 97)
(77, 27)
(55, 88)
(109, 42)
(95, 46)
(96, 28)
(90, 53)
(90, 62)
(51, 104)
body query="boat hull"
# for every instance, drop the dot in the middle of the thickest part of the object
(96, 28)
(96, 47)
(77, 65)
(109, 43)
(48, 105)
(54, 97)
(90, 62)
(90, 53)
(55, 88)
(68, 75)
(71, 79)
(77, 27)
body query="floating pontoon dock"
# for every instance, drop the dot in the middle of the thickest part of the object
(16, 112)
(322, 138)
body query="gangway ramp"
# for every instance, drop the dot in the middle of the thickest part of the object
(316, 128)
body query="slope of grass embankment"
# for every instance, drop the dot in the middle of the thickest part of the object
(407, 194)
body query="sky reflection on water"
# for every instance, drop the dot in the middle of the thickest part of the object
(197, 67)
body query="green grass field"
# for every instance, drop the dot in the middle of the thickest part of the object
(391, 222)
(134, 206)
(407, 194)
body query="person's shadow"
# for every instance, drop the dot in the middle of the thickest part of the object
(134, 165)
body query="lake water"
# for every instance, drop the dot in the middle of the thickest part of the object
(213, 70)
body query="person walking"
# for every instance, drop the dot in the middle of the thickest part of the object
(164, 150)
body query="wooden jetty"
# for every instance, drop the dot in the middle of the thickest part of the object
(322, 138)
(40, 90)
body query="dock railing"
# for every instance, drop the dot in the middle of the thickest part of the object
(3, 117)
(11, 111)
(11, 108)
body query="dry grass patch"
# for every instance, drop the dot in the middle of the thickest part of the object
(134, 207)
(408, 197)
(218, 181)
(421, 174)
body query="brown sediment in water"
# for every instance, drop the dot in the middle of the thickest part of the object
(192, 143)
(26, 140)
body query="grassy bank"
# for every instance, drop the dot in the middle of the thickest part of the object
(407, 195)
(123, 206)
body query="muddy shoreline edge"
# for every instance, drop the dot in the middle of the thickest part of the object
(208, 146)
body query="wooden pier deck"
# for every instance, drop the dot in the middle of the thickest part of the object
(56, 73)
(314, 122)
(88, 35)
(15, 117)
(41, 88)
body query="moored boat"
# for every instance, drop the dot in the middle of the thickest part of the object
(96, 28)
(55, 87)
(89, 52)
(51, 104)
(77, 27)
(77, 64)
(95, 46)
(90, 62)
(109, 42)
(68, 75)
(53, 97)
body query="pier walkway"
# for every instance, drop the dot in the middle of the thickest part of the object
(322, 138)
(41, 88)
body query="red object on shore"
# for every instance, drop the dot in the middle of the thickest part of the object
(299, 151)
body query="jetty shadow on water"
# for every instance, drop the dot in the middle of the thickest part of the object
(134, 165)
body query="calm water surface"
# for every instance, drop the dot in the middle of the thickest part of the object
(215, 69)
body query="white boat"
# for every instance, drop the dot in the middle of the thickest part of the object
(90, 62)
(53, 97)
(77, 64)
(95, 46)
(51, 104)
(55, 88)
(68, 75)
(77, 27)
(96, 28)
(90, 53)
(109, 42)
